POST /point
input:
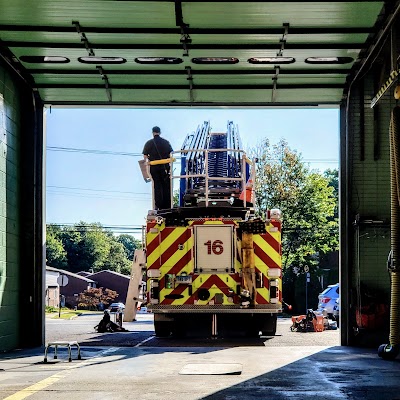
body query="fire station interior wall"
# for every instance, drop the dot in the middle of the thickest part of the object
(366, 214)
(20, 269)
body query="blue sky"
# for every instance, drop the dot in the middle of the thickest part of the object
(110, 188)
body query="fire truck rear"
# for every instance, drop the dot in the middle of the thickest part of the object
(213, 267)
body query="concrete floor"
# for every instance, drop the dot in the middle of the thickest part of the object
(152, 370)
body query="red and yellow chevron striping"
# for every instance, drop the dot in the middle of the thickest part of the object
(171, 251)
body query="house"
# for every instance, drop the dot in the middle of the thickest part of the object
(76, 284)
(112, 280)
(52, 288)
(84, 273)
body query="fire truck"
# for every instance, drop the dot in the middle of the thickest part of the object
(212, 266)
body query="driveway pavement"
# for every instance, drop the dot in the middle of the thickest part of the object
(288, 366)
(82, 330)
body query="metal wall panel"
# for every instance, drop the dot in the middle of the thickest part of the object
(366, 216)
(10, 272)
(21, 210)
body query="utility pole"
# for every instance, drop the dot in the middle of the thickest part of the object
(306, 269)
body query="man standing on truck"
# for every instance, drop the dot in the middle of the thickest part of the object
(159, 149)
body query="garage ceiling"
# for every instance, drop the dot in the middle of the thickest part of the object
(174, 53)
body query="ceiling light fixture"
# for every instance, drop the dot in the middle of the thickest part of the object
(328, 60)
(271, 60)
(215, 60)
(45, 59)
(158, 60)
(102, 60)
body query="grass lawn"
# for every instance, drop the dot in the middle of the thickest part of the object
(66, 313)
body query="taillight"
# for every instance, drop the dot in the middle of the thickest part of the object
(325, 300)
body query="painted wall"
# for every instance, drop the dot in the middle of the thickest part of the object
(52, 289)
(10, 136)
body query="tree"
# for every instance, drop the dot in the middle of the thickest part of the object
(130, 245)
(117, 260)
(175, 198)
(307, 203)
(330, 260)
(333, 177)
(56, 256)
(87, 246)
(92, 297)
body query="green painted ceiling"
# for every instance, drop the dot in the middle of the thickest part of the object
(186, 30)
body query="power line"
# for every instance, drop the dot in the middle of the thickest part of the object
(96, 190)
(88, 227)
(97, 193)
(88, 196)
(94, 196)
(122, 153)
(310, 160)
(92, 225)
(93, 151)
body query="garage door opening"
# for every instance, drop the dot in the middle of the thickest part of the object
(97, 199)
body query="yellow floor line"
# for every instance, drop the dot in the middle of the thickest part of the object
(43, 384)
(38, 386)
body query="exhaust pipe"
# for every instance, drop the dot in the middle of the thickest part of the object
(391, 350)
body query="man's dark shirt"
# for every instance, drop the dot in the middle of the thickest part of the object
(163, 146)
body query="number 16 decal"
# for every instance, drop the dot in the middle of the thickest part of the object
(216, 247)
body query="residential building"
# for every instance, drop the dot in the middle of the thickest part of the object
(112, 280)
(76, 285)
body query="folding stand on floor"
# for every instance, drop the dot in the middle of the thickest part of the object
(61, 343)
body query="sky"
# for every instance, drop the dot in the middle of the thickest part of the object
(109, 188)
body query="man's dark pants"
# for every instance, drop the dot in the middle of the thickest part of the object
(162, 188)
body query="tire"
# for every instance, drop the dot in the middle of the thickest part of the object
(388, 352)
(162, 328)
(269, 325)
(253, 332)
(179, 327)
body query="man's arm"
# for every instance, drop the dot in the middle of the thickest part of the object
(145, 151)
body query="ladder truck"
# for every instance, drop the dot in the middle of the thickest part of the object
(212, 267)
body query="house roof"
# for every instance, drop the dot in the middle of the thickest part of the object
(68, 273)
(84, 273)
(107, 271)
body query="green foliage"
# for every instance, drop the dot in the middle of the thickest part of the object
(89, 247)
(117, 260)
(50, 309)
(92, 297)
(175, 201)
(130, 244)
(308, 204)
(333, 177)
(55, 253)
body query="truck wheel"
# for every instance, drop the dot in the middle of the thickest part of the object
(162, 328)
(253, 333)
(253, 326)
(179, 328)
(269, 326)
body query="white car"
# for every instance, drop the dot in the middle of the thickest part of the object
(336, 312)
(327, 300)
(117, 307)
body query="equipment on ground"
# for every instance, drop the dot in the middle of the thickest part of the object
(212, 266)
